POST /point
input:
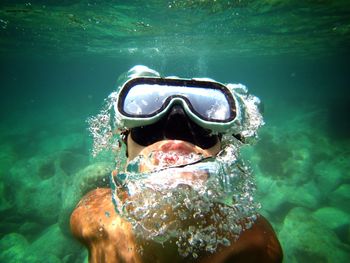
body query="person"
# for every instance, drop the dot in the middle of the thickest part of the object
(173, 128)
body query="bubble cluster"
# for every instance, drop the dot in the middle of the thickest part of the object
(102, 129)
(201, 213)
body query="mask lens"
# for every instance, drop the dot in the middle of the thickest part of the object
(144, 100)
(211, 104)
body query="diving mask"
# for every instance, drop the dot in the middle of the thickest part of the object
(145, 100)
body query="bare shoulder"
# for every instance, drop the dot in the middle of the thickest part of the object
(90, 214)
(108, 237)
(257, 244)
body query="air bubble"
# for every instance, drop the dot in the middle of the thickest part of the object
(200, 214)
(164, 216)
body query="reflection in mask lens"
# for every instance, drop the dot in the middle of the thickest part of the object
(146, 100)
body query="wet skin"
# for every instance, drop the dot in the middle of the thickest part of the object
(110, 238)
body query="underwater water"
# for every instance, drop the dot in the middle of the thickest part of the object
(61, 59)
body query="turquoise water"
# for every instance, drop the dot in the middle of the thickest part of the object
(60, 59)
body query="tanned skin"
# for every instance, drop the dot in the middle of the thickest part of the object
(109, 238)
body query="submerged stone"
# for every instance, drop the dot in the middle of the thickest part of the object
(53, 244)
(305, 239)
(12, 247)
(340, 197)
(90, 177)
(330, 174)
(332, 217)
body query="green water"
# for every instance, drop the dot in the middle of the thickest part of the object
(60, 59)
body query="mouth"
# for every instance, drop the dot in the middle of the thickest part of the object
(179, 146)
(170, 153)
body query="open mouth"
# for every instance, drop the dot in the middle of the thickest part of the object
(179, 146)
(170, 153)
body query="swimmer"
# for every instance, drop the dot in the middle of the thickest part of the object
(173, 128)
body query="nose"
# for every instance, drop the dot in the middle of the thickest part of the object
(177, 124)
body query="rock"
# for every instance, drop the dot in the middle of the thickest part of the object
(297, 168)
(73, 142)
(91, 177)
(41, 202)
(12, 247)
(265, 184)
(39, 182)
(52, 243)
(82, 257)
(7, 158)
(336, 220)
(281, 197)
(36, 187)
(71, 162)
(272, 155)
(4, 203)
(8, 226)
(285, 158)
(41, 258)
(51, 246)
(330, 174)
(332, 217)
(340, 197)
(306, 195)
(30, 229)
(305, 239)
(274, 199)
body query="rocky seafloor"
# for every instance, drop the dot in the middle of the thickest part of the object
(301, 168)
